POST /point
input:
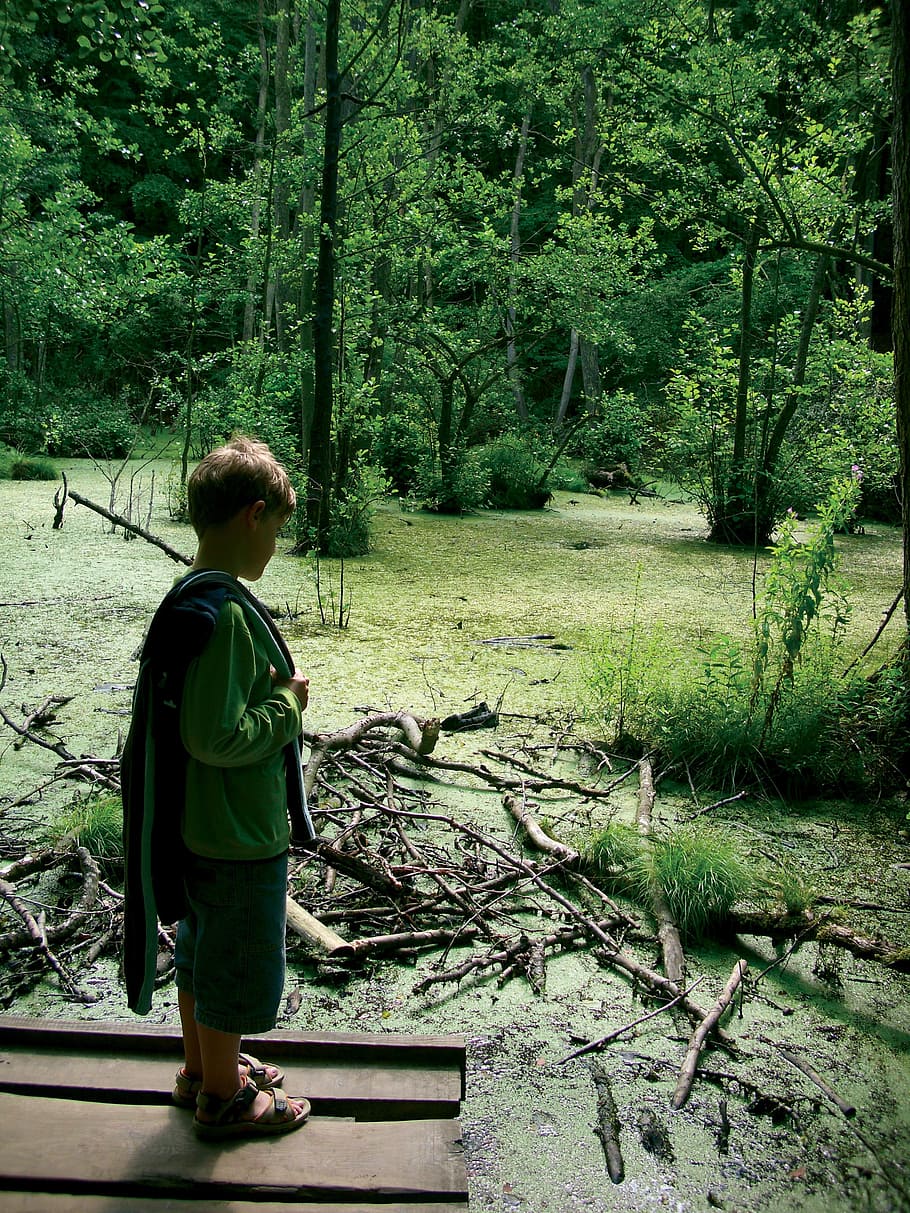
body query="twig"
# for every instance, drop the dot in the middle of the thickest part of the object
(604, 1040)
(848, 1109)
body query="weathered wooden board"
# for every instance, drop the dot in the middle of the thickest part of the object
(85, 1125)
(56, 1144)
(368, 1076)
(55, 1202)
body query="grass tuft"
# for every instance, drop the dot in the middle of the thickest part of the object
(28, 467)
(701, 876)
(613, 853)
(95, 823)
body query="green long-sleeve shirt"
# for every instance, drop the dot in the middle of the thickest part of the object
(234, 724)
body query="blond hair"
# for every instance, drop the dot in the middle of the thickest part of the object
(233, 476)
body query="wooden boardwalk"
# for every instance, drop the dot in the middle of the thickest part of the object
(86, 1126)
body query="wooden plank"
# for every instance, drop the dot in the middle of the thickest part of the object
(61, 1202)
(342, 1087)
(105, 1149)
(125, 1038)
(164, 1039)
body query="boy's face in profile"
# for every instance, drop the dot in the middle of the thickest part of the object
(261, 533)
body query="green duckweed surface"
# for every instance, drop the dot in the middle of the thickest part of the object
(73, 605)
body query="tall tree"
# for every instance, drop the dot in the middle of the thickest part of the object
(900, 315)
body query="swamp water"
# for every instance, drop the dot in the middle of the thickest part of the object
(73, 604)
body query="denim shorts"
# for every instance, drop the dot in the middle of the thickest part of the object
(230, 946)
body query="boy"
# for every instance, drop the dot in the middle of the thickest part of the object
(211, 770)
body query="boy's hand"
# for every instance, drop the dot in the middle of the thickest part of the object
(298, 683)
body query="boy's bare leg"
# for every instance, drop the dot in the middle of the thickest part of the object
(192, 1054)
(212, 1056)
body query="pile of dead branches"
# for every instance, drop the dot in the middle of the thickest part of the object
(393, 874)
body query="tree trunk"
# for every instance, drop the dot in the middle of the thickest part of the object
(566, 397)
(900, 313)
(320, 453)
(521, 406)
(249, 311)
(306, 207)
(281, 190)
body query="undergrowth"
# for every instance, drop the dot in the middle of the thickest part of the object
(786, 711)
(95, 823)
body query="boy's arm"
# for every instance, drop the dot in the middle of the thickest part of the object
(219, 725)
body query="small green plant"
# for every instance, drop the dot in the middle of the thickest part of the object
(95, 823)
(700, 873)
(795, 586)
(613, 853)
(785, 885)
(29, 467)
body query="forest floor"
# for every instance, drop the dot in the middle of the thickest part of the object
(73, 605)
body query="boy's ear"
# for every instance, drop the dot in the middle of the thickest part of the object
(255, 511)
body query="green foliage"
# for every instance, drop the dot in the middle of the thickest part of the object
(26, 467)
(697, 868)
(615, 436)
(400, 447)
(700, 874)
(84, 424)
(95, 823)
(461, 486)
(785, 885)
(783, 712)
(351, 523)
(514, 474)
(797, 580)
(612, 854)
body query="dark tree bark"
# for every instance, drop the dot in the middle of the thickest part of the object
(320, 453)
(900, 314)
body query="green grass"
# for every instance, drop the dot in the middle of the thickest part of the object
(26, 467)
(612, 854)
(95, 823)
(700, 874)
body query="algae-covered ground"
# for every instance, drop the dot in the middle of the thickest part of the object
(73, 605)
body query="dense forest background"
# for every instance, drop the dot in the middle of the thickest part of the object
(463, 250)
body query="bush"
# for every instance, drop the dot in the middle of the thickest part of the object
(28, 467)
(82, 424)
(614, 437)
(463, 486)
(399, 448)
(351, 524)
(515, 475)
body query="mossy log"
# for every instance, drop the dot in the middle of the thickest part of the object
(819, 928)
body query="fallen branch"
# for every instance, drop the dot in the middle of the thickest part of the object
(667, 930)
(820, 929)
(848, 1109)
(421, 737)
(607, 1127)
(311, 929)
(605, 1040)
(535, 832)
(119, 520)
(700, 1035)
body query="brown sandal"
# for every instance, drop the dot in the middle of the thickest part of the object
(229, 1115)
(186, 1089)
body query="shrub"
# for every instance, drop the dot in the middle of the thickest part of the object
(29, 467)
(462, 486)
(351, 524)
(515, 475)
(614, 437)
(83, 424)
(399, 448)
